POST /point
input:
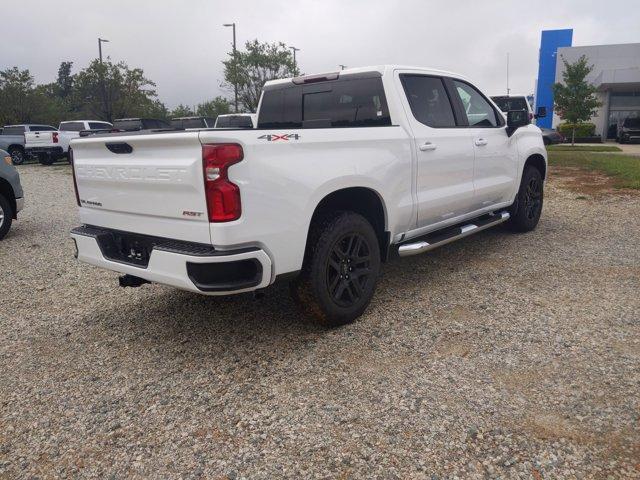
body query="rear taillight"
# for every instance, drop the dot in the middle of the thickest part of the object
(73, 174)
(54, 135)
(223, 196)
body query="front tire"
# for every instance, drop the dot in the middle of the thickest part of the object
(526, 210)
(17, 155)
(6, 216)
(340, 270)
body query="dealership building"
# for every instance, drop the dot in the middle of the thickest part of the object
(615, 74)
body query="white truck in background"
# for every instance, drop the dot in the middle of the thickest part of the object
(49, 146)
(507, 103)
(344, 171)
(236, 120)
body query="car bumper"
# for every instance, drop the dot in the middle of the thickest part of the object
(19, 204)
(194, 267)
(57, 151)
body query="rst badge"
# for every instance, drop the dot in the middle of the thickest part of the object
(284, 137)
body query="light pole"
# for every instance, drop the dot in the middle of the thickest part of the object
(294, 49)
(235, 83)
(508, 89)
(100, 41)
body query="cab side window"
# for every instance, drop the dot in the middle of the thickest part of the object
(478, 110)
(429, 101)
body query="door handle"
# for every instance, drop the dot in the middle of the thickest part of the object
(426, 146)
(481, 142)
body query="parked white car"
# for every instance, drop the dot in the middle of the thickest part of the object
(49, 146)
(344, 171)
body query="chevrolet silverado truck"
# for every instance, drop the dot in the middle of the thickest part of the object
(51, 145)
(343, 172)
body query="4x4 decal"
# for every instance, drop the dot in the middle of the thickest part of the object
(274, 138)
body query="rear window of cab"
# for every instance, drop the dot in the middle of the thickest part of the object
(345, 102)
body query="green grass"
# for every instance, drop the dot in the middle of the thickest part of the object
(583, 148)
(624, 169)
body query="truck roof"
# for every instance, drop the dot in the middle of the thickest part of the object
(69, 121)
(27, 125)
(381, 69)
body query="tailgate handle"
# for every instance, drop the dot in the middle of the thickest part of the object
(120, 147)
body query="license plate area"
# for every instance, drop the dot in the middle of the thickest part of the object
(126, 248)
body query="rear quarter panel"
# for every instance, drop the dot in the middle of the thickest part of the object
(282, 181)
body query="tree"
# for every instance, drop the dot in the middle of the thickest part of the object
(64, 83)
(250, 69)
(113, 90)
(17, 96)
(213, 108)
(181, 111)
(574, 99)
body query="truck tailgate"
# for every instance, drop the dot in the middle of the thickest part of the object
(38, 139)
(150, 184)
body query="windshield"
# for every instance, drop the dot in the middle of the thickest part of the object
(507, 104)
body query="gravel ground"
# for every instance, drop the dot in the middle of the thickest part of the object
(506, 356)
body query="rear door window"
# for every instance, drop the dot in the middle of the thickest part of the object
(429, 101)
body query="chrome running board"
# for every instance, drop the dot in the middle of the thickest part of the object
(451, 234)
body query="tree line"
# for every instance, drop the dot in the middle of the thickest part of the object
(108, 90)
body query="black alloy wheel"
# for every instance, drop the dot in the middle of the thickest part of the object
(348, 269)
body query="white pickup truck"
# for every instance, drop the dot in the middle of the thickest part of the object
(49, 146)
(344, 171)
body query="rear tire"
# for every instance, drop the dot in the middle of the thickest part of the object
(6, 216)
(17, 155)
(527, 208)
(340, 269)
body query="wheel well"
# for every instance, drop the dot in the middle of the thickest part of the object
(363, 201)
(6, 190)
(538, 162)
(15, 146)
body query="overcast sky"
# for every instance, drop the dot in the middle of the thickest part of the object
(180, 44)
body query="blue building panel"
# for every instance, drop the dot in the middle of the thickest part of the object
(550, 41)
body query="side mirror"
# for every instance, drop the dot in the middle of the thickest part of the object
(517, 119)
(542, 112)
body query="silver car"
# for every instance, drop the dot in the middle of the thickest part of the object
(11, 196)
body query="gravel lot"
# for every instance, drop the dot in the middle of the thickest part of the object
(512, 356)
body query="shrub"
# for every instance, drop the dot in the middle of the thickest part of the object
(582, 129)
